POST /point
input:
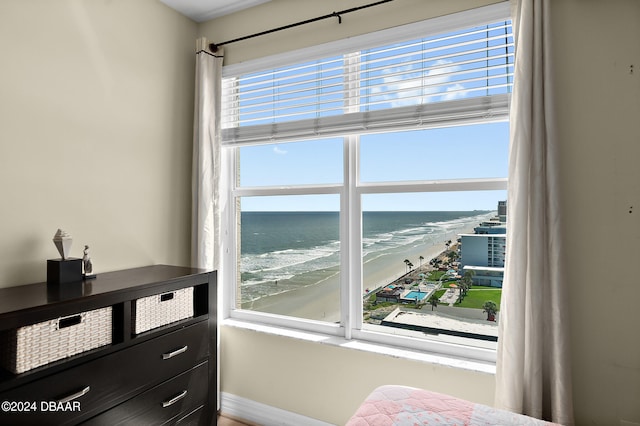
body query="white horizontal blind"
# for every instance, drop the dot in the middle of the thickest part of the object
(455, 77)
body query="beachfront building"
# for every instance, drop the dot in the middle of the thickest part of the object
(390, 293)
(502, 211)
(483, 252)
(442, 325)
(486, 275)
(491, 227)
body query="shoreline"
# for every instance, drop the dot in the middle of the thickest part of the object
(320, 301)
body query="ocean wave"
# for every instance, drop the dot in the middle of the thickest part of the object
(462, 221)
(429, 233)
(279, 266)
(266, 273)
(265, 279)
(377, 240)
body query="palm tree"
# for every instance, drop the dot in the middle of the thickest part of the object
(463, 287)
(462, 291)
(410, 265)
(467, 278)
(421, 258)
(406, 263)
(433, 301)
(491, 309)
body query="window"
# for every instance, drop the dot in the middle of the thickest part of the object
(366, 184)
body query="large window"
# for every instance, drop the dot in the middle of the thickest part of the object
(367, 187)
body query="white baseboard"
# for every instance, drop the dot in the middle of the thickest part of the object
(261, 414)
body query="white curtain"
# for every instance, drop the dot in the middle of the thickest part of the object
(533, 366)
(205, 222)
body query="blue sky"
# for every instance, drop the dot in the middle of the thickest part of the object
(448, 153)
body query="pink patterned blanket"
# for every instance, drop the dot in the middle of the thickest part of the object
(405, 406)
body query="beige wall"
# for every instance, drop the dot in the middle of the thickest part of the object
(599, 126)
(96, 113)
(110, 98)
(599, 121)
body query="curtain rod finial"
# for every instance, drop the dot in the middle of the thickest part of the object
(213, 47)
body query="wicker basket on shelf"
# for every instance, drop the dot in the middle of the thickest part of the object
(34, 345)
(162, 309)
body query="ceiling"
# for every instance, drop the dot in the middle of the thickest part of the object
(203, 10)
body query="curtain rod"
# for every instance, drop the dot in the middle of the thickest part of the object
(214, 46)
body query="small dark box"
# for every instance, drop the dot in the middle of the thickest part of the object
(57, 292)
(65, 271)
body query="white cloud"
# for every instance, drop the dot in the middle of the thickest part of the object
(454, 92)
(407, 88)
(278, 150)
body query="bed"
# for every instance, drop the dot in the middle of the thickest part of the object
(406, 406)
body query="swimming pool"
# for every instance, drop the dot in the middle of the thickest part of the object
(413, 295)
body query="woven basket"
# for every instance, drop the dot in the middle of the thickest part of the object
(32, 346)
(162, 309)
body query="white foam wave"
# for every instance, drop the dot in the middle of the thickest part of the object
(266, 273)
(273, 267)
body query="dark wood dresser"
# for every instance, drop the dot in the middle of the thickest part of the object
(166, 375)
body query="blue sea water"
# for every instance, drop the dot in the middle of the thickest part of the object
(281, 251)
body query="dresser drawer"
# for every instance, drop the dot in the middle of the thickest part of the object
(173, 399)
(112, 379)
(197, 417)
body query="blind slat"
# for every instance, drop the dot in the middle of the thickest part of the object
(320, 110)
(458, 112)
(251, 95)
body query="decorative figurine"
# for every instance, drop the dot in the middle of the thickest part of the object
(66, 271)
(86, 261)
(63, 242)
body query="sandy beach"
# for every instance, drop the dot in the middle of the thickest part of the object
(321, 301)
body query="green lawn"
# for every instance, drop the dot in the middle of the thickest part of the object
(435, 275)
(476, 297)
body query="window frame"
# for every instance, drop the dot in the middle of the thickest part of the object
(350, 192)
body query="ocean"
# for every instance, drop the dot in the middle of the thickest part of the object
(283, 251)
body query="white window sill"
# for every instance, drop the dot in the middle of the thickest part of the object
(376, 348)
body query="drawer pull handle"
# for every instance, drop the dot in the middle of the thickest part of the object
(69, 321)
(75, 395)
(175, 399)
(166, 296)
(174, 353)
